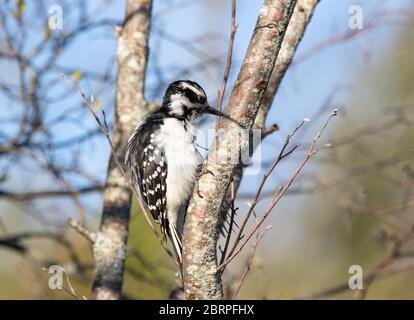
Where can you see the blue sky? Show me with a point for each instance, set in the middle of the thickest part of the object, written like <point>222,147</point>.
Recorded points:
<point>304,88</point>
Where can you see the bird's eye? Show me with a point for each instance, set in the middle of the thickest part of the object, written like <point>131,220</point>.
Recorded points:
<point>202,99</point>
<point>191,95</point>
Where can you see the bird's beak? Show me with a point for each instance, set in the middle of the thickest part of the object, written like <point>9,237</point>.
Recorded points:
<point>213,111</point>
<point>218,113</point>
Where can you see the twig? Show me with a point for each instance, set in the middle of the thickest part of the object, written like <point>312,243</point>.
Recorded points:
<point>202,278</point>
<point>387,260</point>
<point>26,196</point>
<point>229,60</point>
<point>269,130</point>
<point>249,261</point>
<point>400,265</point>
<point>232,217</point>
<point>75,199</point>
<point>376,20</point>
<point>256,200</point>
<point>71,289</point>
<point>311,152</point>
<point>220,107</point>
<point>87,234</point>
<point>104,129</point>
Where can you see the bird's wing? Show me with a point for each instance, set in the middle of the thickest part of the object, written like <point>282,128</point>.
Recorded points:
<point>153,173</point>
<point>147,168</point>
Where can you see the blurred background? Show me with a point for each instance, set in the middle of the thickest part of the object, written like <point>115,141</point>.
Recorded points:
<point>352,205</point>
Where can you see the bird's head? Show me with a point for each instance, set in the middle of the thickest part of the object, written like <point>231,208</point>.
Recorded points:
<point>185,99</point>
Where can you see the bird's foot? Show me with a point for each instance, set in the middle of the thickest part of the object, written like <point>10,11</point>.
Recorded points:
<point>202,171</point>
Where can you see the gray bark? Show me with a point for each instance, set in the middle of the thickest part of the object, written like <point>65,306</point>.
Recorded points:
<point>111,241</point>
<point>202,280</point>
<point>300,19</point>
<point>297,25</point>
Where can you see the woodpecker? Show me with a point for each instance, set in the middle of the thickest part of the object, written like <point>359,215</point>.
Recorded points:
<point>161,157</point>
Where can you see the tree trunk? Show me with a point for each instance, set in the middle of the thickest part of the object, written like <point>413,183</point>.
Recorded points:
<point>300,19</point>
<point>111,243</point>
<point>297,25</point>
<point>202,280</point>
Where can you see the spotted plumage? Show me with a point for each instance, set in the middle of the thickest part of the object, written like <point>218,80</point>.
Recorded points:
<point>148,170</point>
<point>161,157</point>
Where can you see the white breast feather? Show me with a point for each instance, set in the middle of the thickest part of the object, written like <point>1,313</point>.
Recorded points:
<point>181,158</point>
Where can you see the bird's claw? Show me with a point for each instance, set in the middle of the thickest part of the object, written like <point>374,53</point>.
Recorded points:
<point>202,171</point>
<point>198,192</point>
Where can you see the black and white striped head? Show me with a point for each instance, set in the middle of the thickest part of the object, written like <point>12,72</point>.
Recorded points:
<point>185,99</point>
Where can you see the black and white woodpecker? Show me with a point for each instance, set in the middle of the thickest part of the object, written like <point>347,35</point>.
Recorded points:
<point>162,159</point>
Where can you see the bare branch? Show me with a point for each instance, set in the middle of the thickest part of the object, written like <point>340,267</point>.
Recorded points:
<point>201,277</point>
<point>278,196</point>
<point>87,234</point>
<point>259,238</point>
<point>25,196</point>
<point>110,246</point>
<point>256,199</point>
<point>400,265</point>
<point>229,59</point>
<point>387,260</point>
<point>297,25</point>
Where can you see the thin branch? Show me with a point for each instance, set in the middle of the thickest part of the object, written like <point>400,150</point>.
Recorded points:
<point>25,196</point>
<point>399,265</point>
<point>202,279</point>
<point>231,223</point>
<point>259,238</point>
<point>71,291</point>
<point>256,200</point>
<point>229,59</point>
<point>104,129</point>
<point>311,152</point>
<point>87,234</point>
<point>387,260</point>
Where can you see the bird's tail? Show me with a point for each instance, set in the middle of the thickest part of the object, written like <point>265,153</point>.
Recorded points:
<point>176,241</point>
